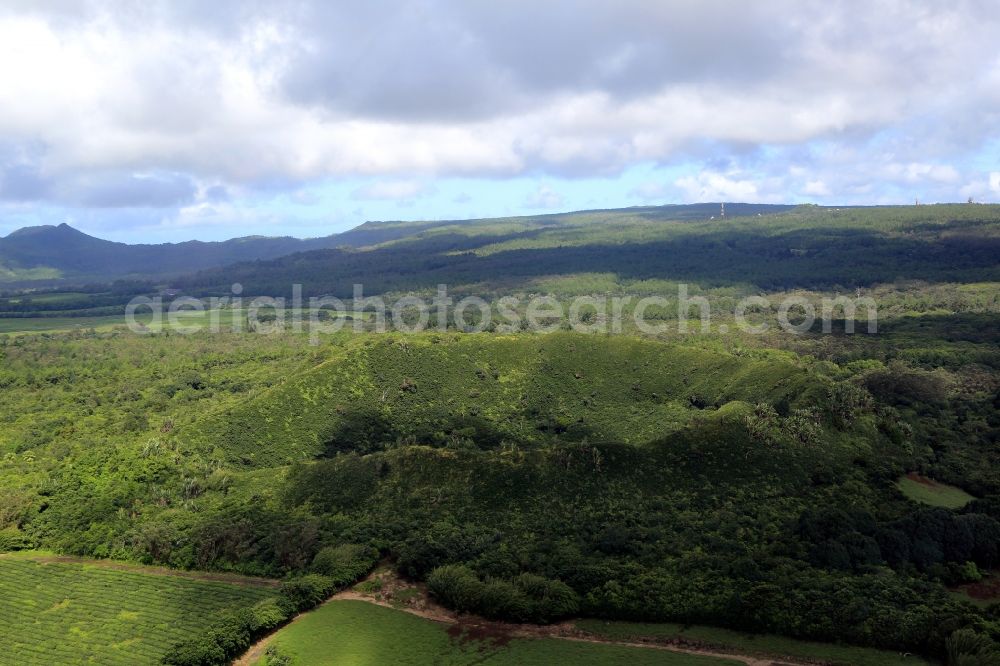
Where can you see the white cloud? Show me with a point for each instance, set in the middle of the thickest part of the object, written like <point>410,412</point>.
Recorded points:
<point>711,186</point>
<point>242,94</point>
<point>817,188</point>
<point>390,190</point>
<point>543,197</point>
<point>649,191</point>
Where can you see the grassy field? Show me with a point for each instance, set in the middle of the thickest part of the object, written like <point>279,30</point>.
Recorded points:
<point>72,613</point>
<point>926,491</point>
<point>224,319</point>
<point>755,644</point>
<point>46,324</point>
<point>356,633</point>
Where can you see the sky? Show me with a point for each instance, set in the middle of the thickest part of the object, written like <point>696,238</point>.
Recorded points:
<point>146,121</point>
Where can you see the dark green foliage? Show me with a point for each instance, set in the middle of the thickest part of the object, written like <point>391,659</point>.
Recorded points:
<point>13,539</point>
<point>432,390</point>
<point>440,544</point>
<point>707,480</point>
<point>525,598</point>
<point>344,564</point>
<point>968,648</point>
<point>233,633</point>
<point>806,247</point>
<point>49,254</point>
<point>305,592</point>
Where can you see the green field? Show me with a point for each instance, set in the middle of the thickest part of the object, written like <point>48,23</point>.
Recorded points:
<point>927,491</point>
<point>744,643</point>
<point>45,324</point>
<point>70,613</point>
<point>356,633</point>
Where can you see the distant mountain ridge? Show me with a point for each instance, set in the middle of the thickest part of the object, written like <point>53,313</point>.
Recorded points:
<point>48,253</point>
<point>60,254</point>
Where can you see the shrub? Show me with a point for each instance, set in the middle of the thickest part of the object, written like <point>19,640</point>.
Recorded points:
<point>440,544</point>
<point>234,632</point>
<point>526,598</point>
<point>550,599</point>
<point>299,594</point>
<point>456,586</point>
<point>268,614</point>
<point>225,639</point>
<point>965,647</point>
<point>13,539</point>
<point>844,401</point>
<point>275,657</point>
<point>344,564</point>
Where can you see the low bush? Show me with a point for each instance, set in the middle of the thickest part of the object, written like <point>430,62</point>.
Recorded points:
<point>233,633</point>
<point>13,539</point>
<point>303,592</point>
<point>344,564</point>
<point>525,598</point>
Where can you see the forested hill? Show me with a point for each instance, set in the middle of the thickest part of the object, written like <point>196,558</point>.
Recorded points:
<point>62,253</point>
<point>768,247</point>
<point>36,256</point>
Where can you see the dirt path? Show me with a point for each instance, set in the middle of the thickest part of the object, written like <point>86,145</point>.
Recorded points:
<point>217,577</point>
<point>468,625</point>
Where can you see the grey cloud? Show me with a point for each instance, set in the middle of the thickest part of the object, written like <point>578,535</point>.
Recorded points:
<point>243,92</point>
<point>22,182</point>
<point>217,193</point>
<point>122,190</point>
<point>468,61</point>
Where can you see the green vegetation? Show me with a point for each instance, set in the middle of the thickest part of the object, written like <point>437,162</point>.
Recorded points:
<point>808,247</point>
<point>355,632</point>
<point>52,255</point>
<point>53,324</point>
<point>69,613</point>
<point>230,634</point>
<point>738,481</point>
<point>642,480</point>
<point>753,644</point>
<point>924,490</point>
<point>482,391</point>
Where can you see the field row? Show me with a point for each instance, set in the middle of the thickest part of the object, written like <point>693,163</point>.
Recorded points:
<point>68,613</point>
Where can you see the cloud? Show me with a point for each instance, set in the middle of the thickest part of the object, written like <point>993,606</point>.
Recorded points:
<point>817,188</point>
<point>543,197</point>
<point>118,190</point>
<point>397,190</point>
<point>712,186</point>
<point>217,193</point>
<point>113,103</point>
<point>648,191</point>
<point>22,182</point>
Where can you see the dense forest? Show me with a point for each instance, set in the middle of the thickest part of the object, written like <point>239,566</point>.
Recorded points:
<point>808,247</point>
<point>755,482</point>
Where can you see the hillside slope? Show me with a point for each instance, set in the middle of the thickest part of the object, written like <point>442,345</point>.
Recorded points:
<point>48,253</point>
<point>807,247</point>
<point>483,390</point>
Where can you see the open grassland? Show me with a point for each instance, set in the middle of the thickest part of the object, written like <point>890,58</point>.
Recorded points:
<point>74,613</point>
<point>51,324</point>
<point>745,643</point>
<point>356,633</point>
<point>927,491</point>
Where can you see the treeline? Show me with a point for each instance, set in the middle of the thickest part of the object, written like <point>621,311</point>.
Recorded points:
<point>333,568</point>
<point>821,250</point>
